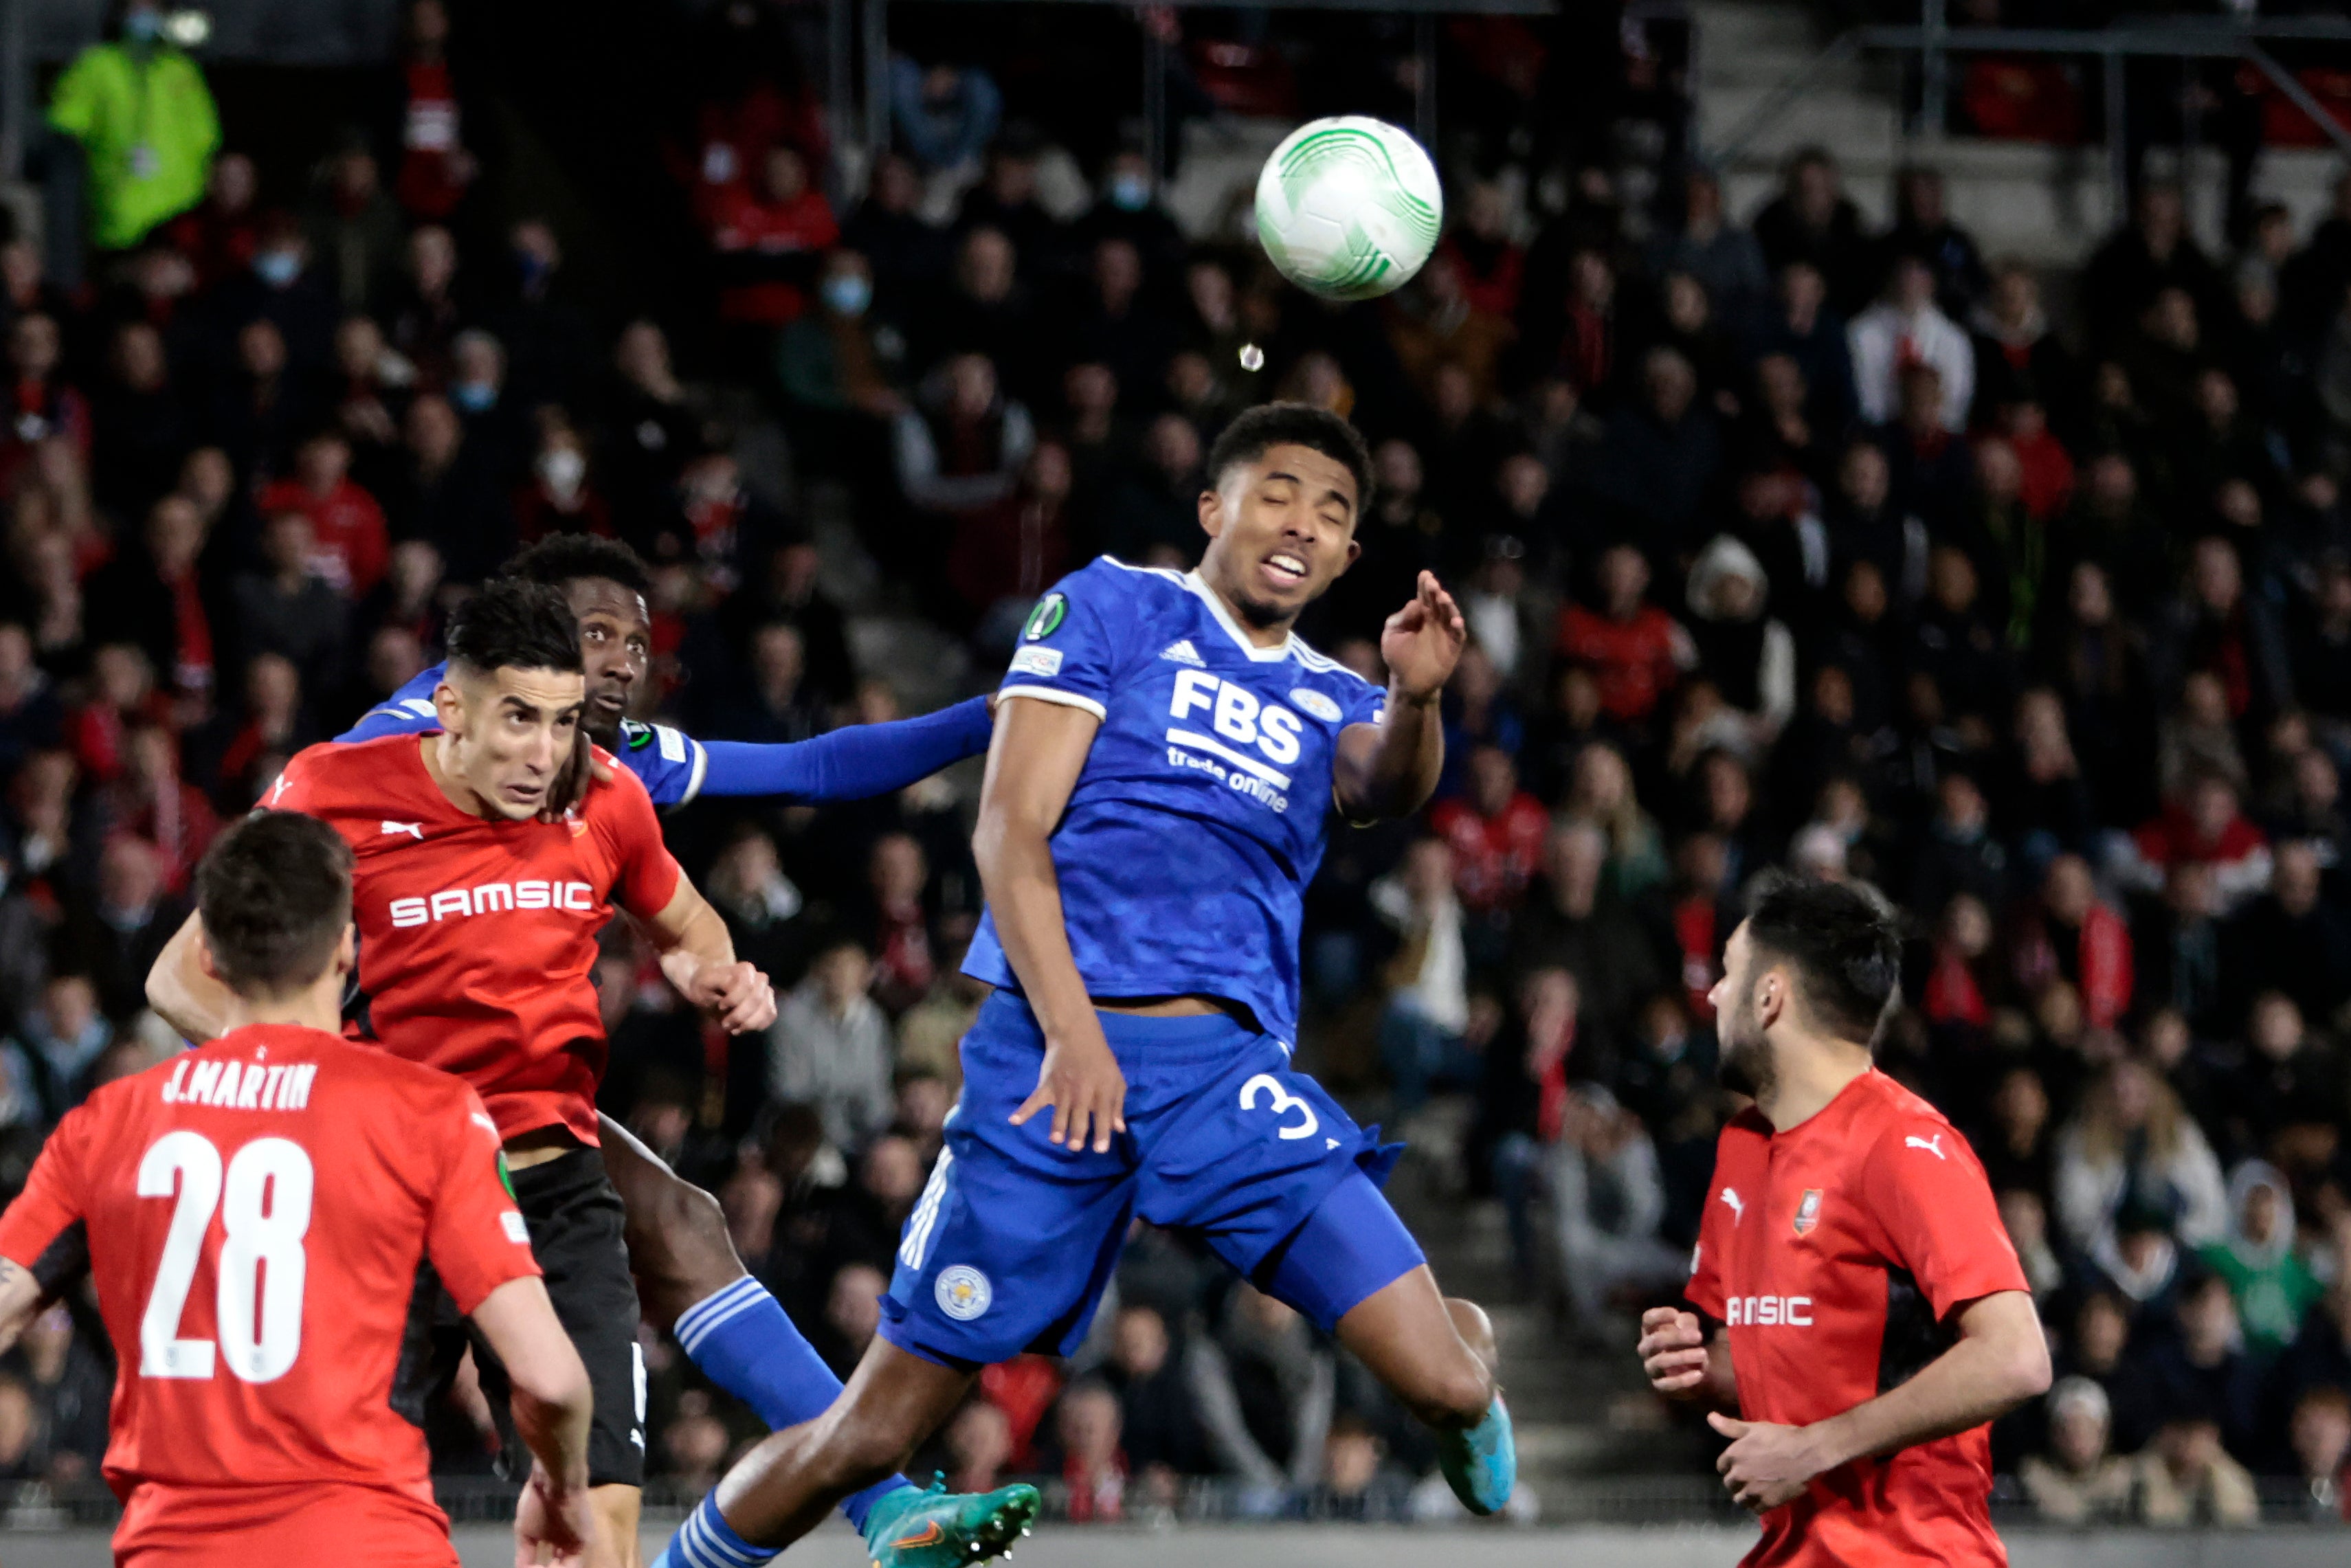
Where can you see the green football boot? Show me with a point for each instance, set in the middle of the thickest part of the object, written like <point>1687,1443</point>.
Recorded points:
<point>940,1529</point>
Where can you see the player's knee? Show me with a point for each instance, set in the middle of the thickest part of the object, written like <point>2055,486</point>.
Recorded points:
<point>1476,1329</point>
<point>679,1247</point>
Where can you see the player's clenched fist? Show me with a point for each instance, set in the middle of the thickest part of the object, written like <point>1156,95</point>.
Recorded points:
<point>1766,1465</point>
<point>1673,1351</point>
<point>736,994</point>
<point>555,1524</point>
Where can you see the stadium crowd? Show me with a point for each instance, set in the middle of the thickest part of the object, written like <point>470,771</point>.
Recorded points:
<point>1782,542</point>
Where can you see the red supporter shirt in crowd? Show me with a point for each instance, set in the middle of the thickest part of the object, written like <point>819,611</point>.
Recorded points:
<point>477,936</point>
<point>257,1211</point>
<point>350,546</point>
<point>1837,1253</point>
<point>1635,663</point>
<point>1493,857</point>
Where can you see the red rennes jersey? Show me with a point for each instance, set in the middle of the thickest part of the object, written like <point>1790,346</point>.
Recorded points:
<point>257,1211</point>
<point>477,936</point>
<point>1837,1253</point>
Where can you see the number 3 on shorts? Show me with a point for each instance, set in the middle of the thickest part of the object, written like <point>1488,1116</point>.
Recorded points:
<point>1284,1103</point>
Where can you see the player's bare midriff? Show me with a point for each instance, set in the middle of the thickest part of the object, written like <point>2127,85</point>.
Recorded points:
<point>538,1145</point>
<point>1192,1006</point>
<point>1189,1006</point>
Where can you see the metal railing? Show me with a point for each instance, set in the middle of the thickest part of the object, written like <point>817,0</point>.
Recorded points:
<point>1933,41</point>
<point>857,31</point>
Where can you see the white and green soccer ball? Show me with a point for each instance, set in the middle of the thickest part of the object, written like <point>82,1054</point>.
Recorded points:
<point>1348,207</point>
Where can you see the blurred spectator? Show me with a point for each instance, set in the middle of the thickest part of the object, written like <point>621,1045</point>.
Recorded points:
<point>2320,1431</point>
<point>2132,1144</point>
<point>1264,1386</point>
<point>1750,657</point>
<point>1635,650</point>
<point>1608,1200</point>
<point>354,229</point>
<point>2291,940</point>
<point>1923,228</point>
<point>2186,1477</point>
<point>1159,1428</point>
<point>2079,1481</point>
<point>766,238</point>
<point>144,119</point>
<point>980,1444</point>
<point>1427,1017</point>
<point>943,114</point>
<point>1811,221</point>
<point>292,610</point>
<point>2273,1288</point>
<point>1087,1425</point>
<point>2019,357</point>
<point>1904,329</point>
<point>51,1063</point>
<point>962,446</point>
<point>830,1047</point>
<point>1724,258</point>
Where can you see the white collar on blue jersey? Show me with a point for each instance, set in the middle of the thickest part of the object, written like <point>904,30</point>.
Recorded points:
<point>1275,654</point>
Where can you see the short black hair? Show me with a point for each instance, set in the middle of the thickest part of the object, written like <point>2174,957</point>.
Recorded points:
<point>512,624</point>
<point>561,559</point>
<point>1844,942</point>
<point>275,893</point>
<point>1269,424</point>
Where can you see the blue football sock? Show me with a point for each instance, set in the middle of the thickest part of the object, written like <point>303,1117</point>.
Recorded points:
<point>705,1541</point>
<point>743,1341</point>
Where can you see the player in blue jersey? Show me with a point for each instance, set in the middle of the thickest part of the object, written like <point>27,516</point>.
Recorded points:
<point>606,584</point>
<point>688,1275</point>
<point>1165,763</point>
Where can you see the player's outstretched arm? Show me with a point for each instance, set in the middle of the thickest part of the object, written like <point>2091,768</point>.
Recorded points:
<point>2000,1361</point>
<point>552,1406</point>
<point>179,991</point>
<point>855,763</point>
<point>698,956</point>
<point>1390,768</point>
<point>1033,765</point>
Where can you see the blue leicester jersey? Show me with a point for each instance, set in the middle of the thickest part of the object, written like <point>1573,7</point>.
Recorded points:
<point>1201,812</point>
<point>670,762</point>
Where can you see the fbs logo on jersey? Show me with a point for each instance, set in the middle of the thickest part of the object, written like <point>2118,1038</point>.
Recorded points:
<point>964,1293</point>
<point>1808,1210</point>
<point>1046,618</point>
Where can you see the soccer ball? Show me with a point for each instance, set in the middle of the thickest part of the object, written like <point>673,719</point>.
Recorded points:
<point>1348,208</point>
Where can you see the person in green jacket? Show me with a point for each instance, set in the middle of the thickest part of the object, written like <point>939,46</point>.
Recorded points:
<point>2272,1285</point>
<point>140,109</point>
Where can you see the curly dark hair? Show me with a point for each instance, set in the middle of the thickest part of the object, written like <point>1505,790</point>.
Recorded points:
<point>1269,424</point>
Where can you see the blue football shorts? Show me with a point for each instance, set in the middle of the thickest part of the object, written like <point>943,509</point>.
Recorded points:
<point>1014,1239</point>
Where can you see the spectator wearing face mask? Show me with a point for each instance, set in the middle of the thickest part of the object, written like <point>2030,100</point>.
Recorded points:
<point>561,498</point>
<point>840,368</point>
<point>1126,207</point>
<point>145,122</point>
